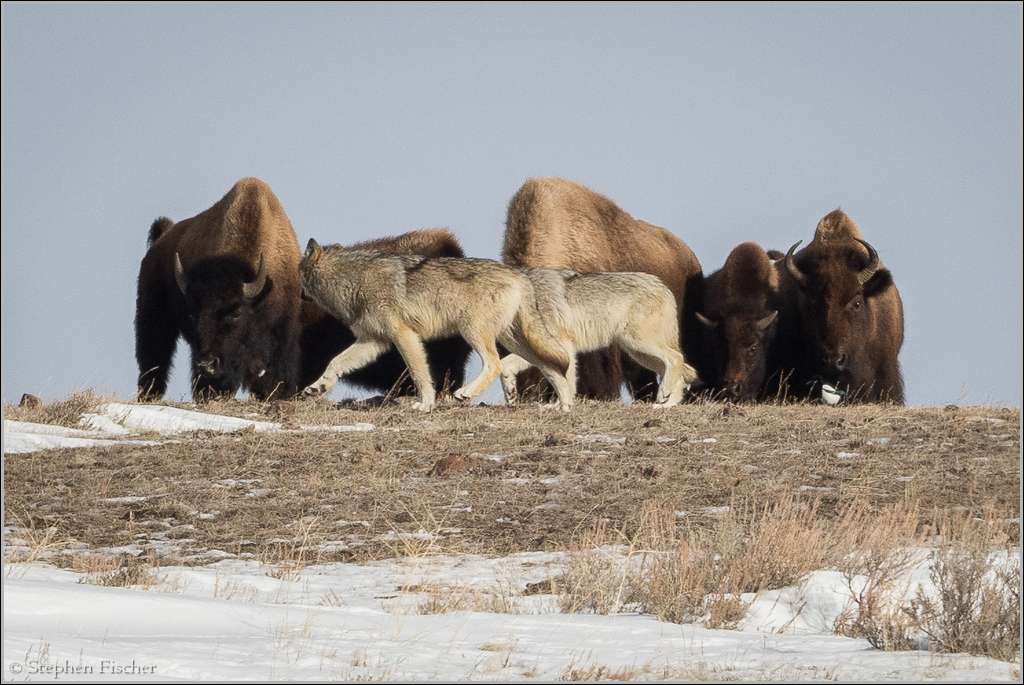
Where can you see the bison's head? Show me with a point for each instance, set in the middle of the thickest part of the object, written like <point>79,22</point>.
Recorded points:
<point>223,297</point>
<point>740,341</point>
<point>838,286</point>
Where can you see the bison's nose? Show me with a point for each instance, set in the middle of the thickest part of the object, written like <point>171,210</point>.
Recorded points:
<point>737,392</point>
<point>735,389</point>
<point>835,361</point>
<point>209,365</point>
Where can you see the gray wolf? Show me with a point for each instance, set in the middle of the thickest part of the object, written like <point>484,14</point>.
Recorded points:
<point>404,300</point>
<point>582,312</point>
<point>559,224</point>
<point>324,336</point>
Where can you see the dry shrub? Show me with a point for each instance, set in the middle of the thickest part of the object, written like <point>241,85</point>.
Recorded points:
<point>597,574</point>
<point>977,604</point>
<point>27,543</point>
<point>674,584</point>
<point>785,541</point>
<point>746,551</point>
<point>885,547</point>
<point>67,412</point>
<point>287,558</point>
<point>117,571</point>
<point>577,673</point>
<point>443,598</point>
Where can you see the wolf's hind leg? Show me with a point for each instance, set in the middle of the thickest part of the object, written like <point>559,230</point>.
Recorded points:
<point>355,356</point>
<point>562,386</point>
<point>670,365</point>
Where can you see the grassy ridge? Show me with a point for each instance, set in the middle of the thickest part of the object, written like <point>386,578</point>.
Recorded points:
<point>707,501</point>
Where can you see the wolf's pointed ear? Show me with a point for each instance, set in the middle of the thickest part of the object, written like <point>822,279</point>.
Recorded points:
<point>313,249</point>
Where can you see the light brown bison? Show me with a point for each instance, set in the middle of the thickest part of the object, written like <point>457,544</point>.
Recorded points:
<point>324,336</point>
<point>559,224</point>
<point>740,317</point>
<point>227,281</point>
<point>841,317</point>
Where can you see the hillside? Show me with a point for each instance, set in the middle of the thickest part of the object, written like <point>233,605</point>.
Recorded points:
<point>497,480</point>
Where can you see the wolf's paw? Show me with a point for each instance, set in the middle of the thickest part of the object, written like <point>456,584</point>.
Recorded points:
<point>314,390</point>
<point>463,395</point>
<point>425,407</point>
<point>556,405</point>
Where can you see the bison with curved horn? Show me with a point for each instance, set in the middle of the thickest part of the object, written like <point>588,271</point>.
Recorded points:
<point>227,281</point>
<point>559,224</point>
<point>842,317</point>
<point>324,336</point>
<point>741,321</point>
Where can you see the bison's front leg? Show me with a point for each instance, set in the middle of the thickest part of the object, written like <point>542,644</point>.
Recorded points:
<point>156,337</point>
<point>356,356</point>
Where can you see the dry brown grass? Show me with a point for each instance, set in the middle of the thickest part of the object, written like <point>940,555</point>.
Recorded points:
<point>532,479</point>
<point>710,503</point>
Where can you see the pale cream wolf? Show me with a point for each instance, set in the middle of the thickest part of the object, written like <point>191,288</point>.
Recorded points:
<point>405,300</point>
<point>582,312</point>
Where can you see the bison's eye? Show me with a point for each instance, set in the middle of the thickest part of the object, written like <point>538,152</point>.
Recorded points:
<point>855,305</point>
<point>233,314</point>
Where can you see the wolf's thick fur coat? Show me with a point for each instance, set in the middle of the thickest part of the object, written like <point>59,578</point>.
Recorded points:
<point>405,300</point>
<point>585,312</point>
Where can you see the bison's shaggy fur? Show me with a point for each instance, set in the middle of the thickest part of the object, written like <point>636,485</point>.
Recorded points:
<point>227,281</point>
<point>558,224</point>
<point>324,336</point>
<point>841,319</point>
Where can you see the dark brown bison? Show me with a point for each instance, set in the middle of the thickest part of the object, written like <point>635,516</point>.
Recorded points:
<point>560,224</point>
<point>324,337</point>
<point>227,281</point>
<point>740,319</point>
<point>842,317</point>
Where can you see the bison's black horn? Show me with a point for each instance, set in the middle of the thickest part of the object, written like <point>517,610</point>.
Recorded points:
<point>791,266</point>
<point>179,274</point>
<point>253,288</point>
<point>868,271</point>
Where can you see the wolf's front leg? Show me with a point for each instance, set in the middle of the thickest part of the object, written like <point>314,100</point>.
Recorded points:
<point>488,351</point>
<point>355,356</point>
<point>410,346</point>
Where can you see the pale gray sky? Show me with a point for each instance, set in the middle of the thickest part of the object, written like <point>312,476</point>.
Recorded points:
<point>721,122</point>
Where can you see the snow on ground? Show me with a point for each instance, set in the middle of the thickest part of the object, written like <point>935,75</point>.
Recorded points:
<point>233,621</point>
<point>112,422</point>
<point>243,620</point>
